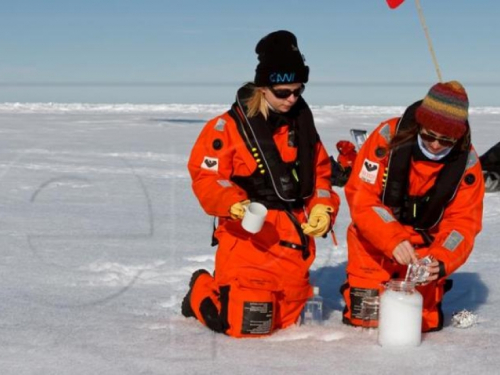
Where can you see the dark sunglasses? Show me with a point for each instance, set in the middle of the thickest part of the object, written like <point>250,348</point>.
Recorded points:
<point>445,142</point>
<point>285,93</point>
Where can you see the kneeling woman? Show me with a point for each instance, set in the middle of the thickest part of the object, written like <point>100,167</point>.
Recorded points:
<point>264,149</point>
<point>416,190</point>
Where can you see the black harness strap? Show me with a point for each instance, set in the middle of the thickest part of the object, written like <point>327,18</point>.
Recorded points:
<point>278,185</point>
<point>303,238</point>
<point>421,212</point>
<point>290,181</point>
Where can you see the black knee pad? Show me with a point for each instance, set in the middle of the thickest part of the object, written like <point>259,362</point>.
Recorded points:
<point>211,316</point>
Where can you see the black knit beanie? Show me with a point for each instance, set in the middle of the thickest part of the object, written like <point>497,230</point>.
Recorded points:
<point>280,60</point>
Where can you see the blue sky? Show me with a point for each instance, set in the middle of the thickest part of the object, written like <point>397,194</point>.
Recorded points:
<point>149,42</point>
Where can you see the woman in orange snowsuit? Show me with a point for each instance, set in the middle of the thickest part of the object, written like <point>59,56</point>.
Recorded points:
<point>264,149</point>
<point>416,190</point>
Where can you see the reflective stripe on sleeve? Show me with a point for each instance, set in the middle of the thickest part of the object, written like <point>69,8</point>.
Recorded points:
<point>453,240</point>
<point>225,183</point>
<point>322,193</point>
<point>384,214</point>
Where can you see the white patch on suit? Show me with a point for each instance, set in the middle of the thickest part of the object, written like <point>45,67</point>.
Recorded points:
<point>212,164</point>
<point>369,172</point>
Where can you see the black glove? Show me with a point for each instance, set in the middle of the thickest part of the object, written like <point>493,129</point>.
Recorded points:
<point>340,175</point>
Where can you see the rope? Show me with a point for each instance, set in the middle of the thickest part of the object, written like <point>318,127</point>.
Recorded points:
<point>429,42</point>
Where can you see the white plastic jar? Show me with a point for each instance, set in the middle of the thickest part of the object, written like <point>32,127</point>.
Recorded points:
<point>400,317</point>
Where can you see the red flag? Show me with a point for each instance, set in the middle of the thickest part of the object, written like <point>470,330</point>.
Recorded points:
<point>393,4</point>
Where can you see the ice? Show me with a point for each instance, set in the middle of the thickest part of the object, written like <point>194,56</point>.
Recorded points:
<point>100,233</point>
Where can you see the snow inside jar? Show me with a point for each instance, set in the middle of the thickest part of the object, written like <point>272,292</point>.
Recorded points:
<point>400,316</point>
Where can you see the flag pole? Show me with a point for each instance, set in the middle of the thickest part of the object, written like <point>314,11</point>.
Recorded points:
<point>429,42</point>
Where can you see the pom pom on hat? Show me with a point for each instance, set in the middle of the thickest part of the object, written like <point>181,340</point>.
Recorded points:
<point>445,110</point>
<point>280,60</point>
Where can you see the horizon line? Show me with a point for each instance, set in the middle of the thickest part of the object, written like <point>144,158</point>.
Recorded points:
<point>222,84</point>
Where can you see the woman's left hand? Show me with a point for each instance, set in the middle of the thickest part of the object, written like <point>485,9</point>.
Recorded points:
<point>433,269</point>
<point>319,221</point>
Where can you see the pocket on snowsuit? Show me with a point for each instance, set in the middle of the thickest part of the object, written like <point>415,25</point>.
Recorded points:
<point>249,305</point>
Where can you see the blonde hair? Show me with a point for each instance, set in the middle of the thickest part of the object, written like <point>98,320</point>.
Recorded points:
<point>256,103</point>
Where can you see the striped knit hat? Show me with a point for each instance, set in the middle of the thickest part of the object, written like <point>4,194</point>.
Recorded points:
<point>445,109</point>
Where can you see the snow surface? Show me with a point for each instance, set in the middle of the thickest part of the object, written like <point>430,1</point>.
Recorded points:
<point>100,233</point>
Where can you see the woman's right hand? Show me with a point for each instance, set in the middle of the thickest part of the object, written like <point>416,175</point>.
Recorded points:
<point>237,210</point>
<point>404,253</point>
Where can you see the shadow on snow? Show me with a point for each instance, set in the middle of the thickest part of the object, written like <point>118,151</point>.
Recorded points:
<point>469,292</point>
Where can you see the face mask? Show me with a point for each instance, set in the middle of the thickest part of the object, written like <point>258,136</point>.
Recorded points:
<point>441,154</point>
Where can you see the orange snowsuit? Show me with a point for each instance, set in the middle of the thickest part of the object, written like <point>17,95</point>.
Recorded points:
<point>347,154</point>
<point>375,232</point>
<point>261,281</point>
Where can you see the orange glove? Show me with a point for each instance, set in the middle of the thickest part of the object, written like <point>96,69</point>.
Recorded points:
<point>237,210</point>
<point>319,221</point>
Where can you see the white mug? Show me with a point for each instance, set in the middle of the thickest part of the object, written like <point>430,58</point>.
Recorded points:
<point>255,215</point>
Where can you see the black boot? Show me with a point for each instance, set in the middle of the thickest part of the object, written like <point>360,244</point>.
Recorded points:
<point>186,309</point>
